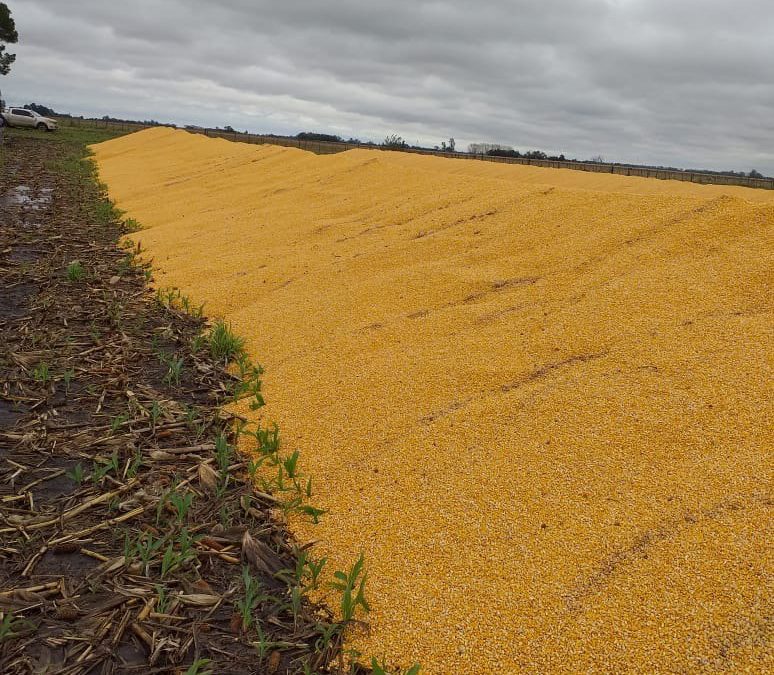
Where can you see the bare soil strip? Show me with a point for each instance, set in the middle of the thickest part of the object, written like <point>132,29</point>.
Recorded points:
<point>131,539</point>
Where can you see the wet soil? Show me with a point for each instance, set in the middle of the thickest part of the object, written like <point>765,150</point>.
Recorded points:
<point>94,440</point>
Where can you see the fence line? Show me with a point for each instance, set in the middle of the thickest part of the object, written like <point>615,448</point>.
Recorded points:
<point>331,147</point>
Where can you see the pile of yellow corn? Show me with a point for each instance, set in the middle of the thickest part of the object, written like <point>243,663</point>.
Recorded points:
<point>539,401</point>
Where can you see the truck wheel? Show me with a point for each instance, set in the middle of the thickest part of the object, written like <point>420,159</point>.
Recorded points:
<point>41,127</point>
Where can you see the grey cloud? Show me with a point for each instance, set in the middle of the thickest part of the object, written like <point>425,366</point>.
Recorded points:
<point>685,83</point>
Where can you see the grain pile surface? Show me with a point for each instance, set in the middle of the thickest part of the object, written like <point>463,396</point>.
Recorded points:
<point>539,401</point>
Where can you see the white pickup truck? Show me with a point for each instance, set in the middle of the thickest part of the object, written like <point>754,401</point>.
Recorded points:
<point>21,117</point>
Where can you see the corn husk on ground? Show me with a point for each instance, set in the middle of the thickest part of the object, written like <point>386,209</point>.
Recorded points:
<point>539,401</point>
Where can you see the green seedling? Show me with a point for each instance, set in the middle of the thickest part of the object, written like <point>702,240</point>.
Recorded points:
<point>296,599</point>
<point>42,373</point>
<point>104,467</point>
<point>175,559</point>
<point>249,383</point>
<point>76,474</point>
<point>351,585</point>
<point>133,466</point>
<point>117,421</point>
<point>198,342</point>
<point>75,271</point>
<point>314,513</point>
<point>175,367</point>
<point>181,504</point>
<point>196,667</point>
<point>146,548</point>
<point>156,411</point>
<point>163,602</point>
<point>290,465</point>
<point>267,441</point>
<point>380,669</point>
<point>313,572</point>
<point>223,452</point>
<point>327,632</point>
<point>222,486</point>
<point>225,345</point>
<point>131,225</point>
<point>252,597</point>
<point>67,378</point>
<point>11,626</point>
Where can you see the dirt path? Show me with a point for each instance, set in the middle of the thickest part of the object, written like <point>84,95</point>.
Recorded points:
<point>131,539</point>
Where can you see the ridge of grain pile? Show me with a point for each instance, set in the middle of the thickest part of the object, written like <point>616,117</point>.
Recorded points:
<point>538,400</point>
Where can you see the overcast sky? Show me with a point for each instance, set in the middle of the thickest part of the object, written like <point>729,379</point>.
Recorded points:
<point>681,82</point>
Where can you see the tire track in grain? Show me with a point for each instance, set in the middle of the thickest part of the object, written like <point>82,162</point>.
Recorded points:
<point>620,561</point>
<point>534,375</point>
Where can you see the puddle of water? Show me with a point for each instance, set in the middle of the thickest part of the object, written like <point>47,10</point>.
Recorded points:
<point>74,565</point>
<point>22,195</point>
<point>24,254</point>
<point>13,301</point>
<point>9,413</point>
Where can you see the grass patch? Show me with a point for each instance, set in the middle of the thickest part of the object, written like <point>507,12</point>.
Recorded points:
<point>225,345</point>
<point>75,271</point>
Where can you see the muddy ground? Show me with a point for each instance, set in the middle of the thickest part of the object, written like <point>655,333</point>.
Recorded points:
<point>131,539</point>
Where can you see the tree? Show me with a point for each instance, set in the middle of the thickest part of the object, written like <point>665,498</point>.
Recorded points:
<point>314,136</point>
<point>755,174</point>
<point>394,141</point>
<point>8,35</point>
<point>41,109</point>
<point>486,148</point>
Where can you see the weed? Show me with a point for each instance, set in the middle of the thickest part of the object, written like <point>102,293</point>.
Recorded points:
<point>195,667</point>
<point>252,597</point>
<point>327,632</point>
<point>10,626</point>
<point>117,421</point>
<point>163,602</point>
<point>380,669</point>
<point>156,411</point>
<point>311,511</point>
<point>175,559</point>
<point>296,598</point>
<point>198,342</point>
<point>104,467</point>
<point>131,225</point>
<point>145,548</point>
<point>76,474</point>
<point>249,383</point>
<point>181,504</point>
<point>223,452</point>
<point>42,373</point>
<point>351,585</point>
<point>225,345</point>
<point>115,312</point>
<point>67,378</point>
<point>75,271</point>
<point>95,333</point>
<point>174,368</point>
<point>133,466</point>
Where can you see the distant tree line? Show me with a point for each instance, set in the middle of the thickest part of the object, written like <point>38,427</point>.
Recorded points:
<point>498,150</point>
<point>42,110</point>
<point>396,142</point>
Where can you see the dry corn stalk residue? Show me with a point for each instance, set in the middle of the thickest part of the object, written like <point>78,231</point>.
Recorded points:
<point>538,400</point>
